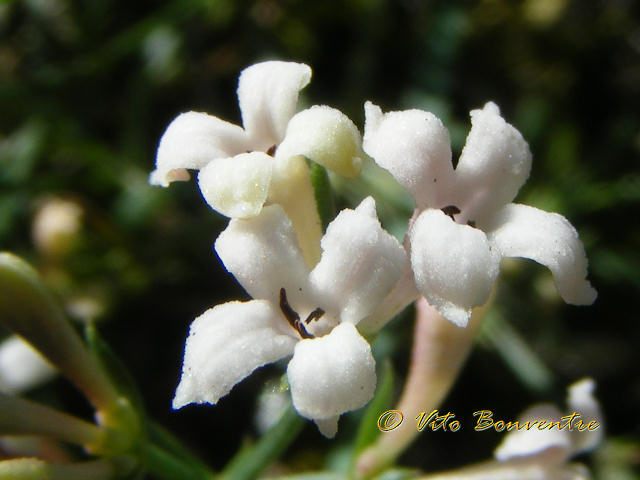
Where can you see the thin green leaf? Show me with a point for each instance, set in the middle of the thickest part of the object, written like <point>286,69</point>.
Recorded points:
<point>165,439</point>
<point>516,353</point>
<point>250,461</point>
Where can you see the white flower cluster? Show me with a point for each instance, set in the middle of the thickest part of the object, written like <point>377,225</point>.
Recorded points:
<point>311,290</point>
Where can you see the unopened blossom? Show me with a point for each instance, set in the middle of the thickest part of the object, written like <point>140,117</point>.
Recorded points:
<point>242,168</point>
<point>21,366</point>
<point>310,314</point>
<point>465,221</point>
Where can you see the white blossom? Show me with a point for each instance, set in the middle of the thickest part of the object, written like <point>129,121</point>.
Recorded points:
<point>21,366</point>
<point>528,452</point>
<point>310,314</point>
<point>242,168</point>
<point>466,223</point>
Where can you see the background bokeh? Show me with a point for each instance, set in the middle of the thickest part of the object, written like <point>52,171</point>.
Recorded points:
<point>87,88</point>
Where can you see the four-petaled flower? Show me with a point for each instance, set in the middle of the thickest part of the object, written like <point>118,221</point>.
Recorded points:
<point>241,169</point>
<point>310,314</point>
<point>466,223</point>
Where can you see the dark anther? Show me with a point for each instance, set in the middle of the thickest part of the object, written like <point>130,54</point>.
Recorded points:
<point>271,150</point>
<point>315,315</point>
<point>471,223</point>
<point>450,210</point>
<point>292,317</point>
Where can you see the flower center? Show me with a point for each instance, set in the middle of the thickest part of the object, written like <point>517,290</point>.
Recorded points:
<point>294,319</point>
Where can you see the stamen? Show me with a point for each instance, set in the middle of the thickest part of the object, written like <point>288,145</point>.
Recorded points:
<point>471,223</point>
<point>450,210</point>
<point>271,150</point>
<point>291,315</point>
<point>315,315</point>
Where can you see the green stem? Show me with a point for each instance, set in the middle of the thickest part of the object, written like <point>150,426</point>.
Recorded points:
<point>161,464</point>
<point>166,440</point>
<point>249,462</point>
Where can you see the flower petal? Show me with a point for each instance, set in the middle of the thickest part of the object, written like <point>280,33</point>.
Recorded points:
<point>237,187</point>
<point>328,427</point>
<point>494,164</point>
<point>549,239</point>
<point>268,93</point>
<point>333,374</point>
<point>582,401</point>
<point>552,443</point>
<point>454,265</point>
<point>414,146</point>
<point>192,140</point>
<point>326,136</point>
<point>225,344</point>
<point>263,254</point>
<point>360,263</point>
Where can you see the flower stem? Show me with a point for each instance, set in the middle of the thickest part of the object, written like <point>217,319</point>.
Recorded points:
<point>34,469</point>
<point>28,309</point>
<point>24,417</point>
<point>439,351</point>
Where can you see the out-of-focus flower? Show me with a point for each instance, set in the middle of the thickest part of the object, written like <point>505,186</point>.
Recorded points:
<point>310,314</point>
<point>466,223</point>
<point>21,366</point>
<point>534,452</point>
<point>554,445</point>
<point>241,169</point>
<point>56,226</point>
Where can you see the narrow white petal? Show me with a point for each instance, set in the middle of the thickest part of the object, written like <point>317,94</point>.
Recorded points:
<point>263,254</point>
<point>192,140</point>
<point>549,239</point>
<point>328,427</point>
<point>360,263</point>
<point>225,344</point>
<point>454,265</point>
<point>238,186</point>
<point>333,374</point>
<point>554,445</point>
<point>21,366</point>
<point>268,93</point>
<point>326,136</point>
<point>494,164</point>
<point>414,146</point>
<point>582,401</point>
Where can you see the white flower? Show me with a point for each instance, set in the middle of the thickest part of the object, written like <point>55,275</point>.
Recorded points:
<point>466,223</point>
<point>310,314</point>
<point>21,366</point>
<point>553,447</point>
<point>241,169</point>
<point>530,453</point>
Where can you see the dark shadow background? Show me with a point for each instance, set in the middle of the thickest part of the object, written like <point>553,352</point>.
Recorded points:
<point>88,87</point>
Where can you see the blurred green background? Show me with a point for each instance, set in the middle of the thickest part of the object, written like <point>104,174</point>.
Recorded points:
<point>87,88</point>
